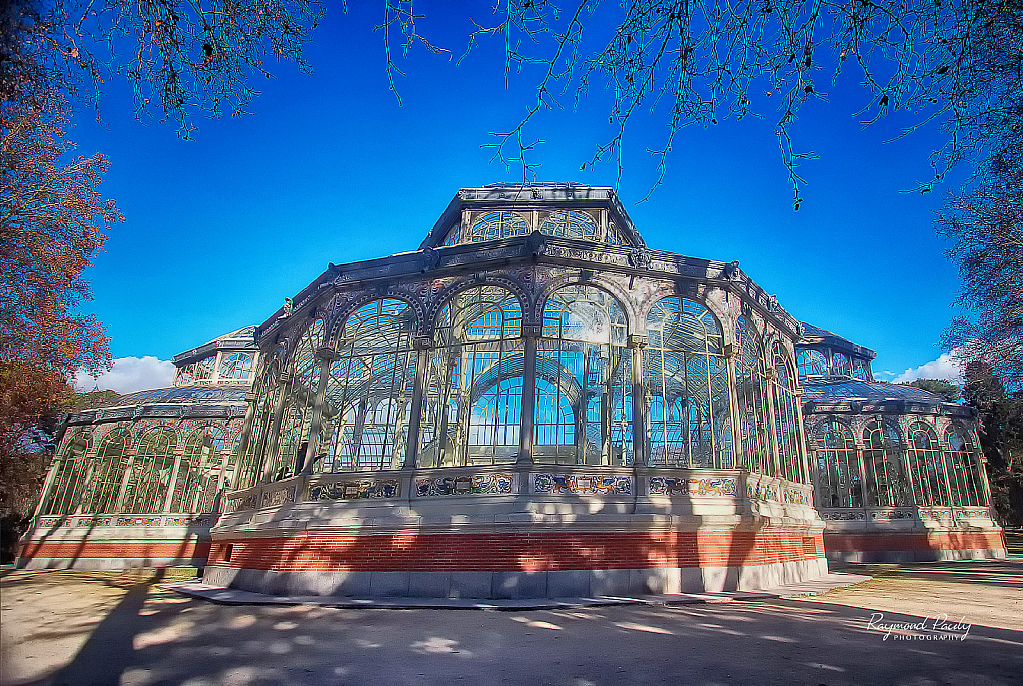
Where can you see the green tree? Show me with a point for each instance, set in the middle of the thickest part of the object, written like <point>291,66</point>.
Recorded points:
<point>1001,439</point>
<point>946,389</point>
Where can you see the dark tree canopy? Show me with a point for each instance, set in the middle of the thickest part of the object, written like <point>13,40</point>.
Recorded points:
<point>946,389</point>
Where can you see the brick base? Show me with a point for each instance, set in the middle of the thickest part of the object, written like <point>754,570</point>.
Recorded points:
<point>922,546</point>
<point>530,552</point>
<point>516,565</point>
<point>109,553</point>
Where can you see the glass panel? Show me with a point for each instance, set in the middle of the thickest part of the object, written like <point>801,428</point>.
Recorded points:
<point>840,365</point>
<point>838,472</point>
<point>150,472</point>
<point>571,224</point>
<point>964,470</point>
<point>107,473</point>
<point>369,391</point>
<point>70,476</point>
<point>495,225</point>
<point>198,477</point>
<point>267,399</point>
<point>786,419</point>
<point>473,391</point>
<point>583,381</point>
<point>751,393</point>
<point>297,408</point>
<point>686,381</point>
<point>235,366</point>
<point>811,363</point>
<point>925,466</point>
<point>887,485</point>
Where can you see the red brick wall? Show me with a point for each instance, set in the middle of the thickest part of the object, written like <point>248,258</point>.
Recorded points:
<point>936,540</point>
<point>185,549</point>
<point>517,552</point>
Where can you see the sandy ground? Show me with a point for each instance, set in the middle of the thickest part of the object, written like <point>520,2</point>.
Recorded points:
<point>79,630</point>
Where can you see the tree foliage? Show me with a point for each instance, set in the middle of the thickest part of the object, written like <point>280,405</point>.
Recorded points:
<point>946,389</point>
<point>1001,438</point>
<point>985,226</point>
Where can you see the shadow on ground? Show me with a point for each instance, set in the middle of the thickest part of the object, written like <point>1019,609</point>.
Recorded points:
<point>153,636</point>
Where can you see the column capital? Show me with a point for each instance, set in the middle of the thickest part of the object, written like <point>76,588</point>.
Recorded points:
<point>638,340</point>
<point>532,330</point>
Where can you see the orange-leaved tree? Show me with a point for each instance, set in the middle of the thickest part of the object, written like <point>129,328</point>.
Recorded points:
<point>52,223</point>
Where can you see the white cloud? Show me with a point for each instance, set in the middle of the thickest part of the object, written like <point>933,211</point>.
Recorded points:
<point>130,374</point>
<point>945,367</point>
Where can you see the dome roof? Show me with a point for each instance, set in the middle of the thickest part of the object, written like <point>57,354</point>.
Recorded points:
<point>181,394</point>
<point>854,389</point>
<point>243,334</point>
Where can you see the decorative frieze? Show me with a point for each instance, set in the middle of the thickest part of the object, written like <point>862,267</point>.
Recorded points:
<point>936,513</point>
<point>356,489</point>
<point>187,520</point>
<point>796,496</point>
<point>892,515</point>
<point>465,484</point>
<point>242,503</point>
<point>973,513</point>
<point>139,520</point>
<point>92,522</point>
<point>582,484</point>
<point>766,492</point>
<point>709,486</point>
<point>278,497</point>
<point>844,515</point>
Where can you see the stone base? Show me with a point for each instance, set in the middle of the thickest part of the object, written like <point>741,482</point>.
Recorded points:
<point>913,546</point>
<point>575,583</point>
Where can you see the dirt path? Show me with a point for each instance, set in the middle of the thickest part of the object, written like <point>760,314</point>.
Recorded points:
<point>61,628</point>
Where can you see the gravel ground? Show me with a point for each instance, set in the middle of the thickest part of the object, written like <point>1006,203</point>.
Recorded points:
<point>83,629</point>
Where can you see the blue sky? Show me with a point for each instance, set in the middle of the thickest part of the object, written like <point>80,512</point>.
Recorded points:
<point>330,168</point>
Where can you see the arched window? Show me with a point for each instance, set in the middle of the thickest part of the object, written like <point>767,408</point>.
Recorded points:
<point>964,471</point>
<point>861,369</point>
<point>297,410</point>
<point>268,396</point>
<point>70,476</point>
<point>925,466</point>
<point>811,363</point>
<point>686,379</point>
<point>495,225</point>
<point>583,377</point>
<point>198,477</point>
<point>235,366</point>
<point>571,224</point>
<point>838,472</point>
<point>473,391</point>
<point>886,479</point>
<point>196,372</point>
<point>751,393</point>
<point>365,415</point>
<point>107,473</point>
<point>840,365</point>
<point>786,418</point>
<point>150,472</point>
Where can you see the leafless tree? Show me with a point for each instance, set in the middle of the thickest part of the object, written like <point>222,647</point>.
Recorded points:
<point>183,57</point>
<point>704,61</point>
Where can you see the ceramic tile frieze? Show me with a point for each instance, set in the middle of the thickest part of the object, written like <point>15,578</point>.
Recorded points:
<point>465,484</point>
<point>356,489</point>
<point>582,484</point>
<point>712,486</point>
